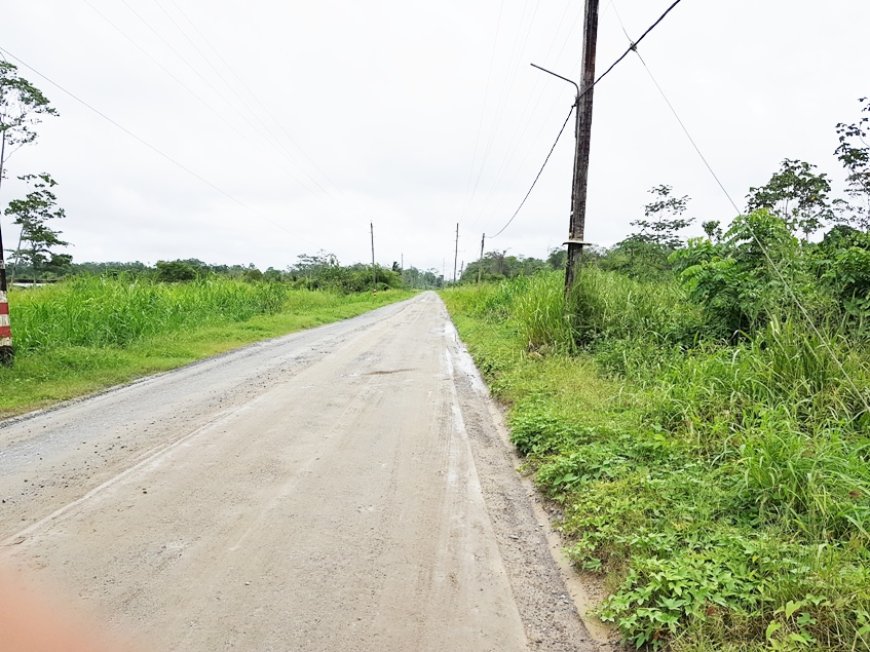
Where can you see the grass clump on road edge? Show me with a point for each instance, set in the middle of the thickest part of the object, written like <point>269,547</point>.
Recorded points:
<point>90,333</point>
<point>721,489</point>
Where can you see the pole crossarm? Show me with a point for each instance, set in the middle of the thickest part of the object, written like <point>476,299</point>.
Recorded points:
<point>550,72</point>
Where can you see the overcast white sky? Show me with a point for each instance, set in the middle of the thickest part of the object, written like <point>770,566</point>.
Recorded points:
<point>313,118</point>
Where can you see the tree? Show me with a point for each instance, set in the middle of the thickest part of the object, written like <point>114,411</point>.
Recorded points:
<point>176,271</point>
<point>644,254</point>
<point>21,105</point>
<point>557,258</point>
<point>319,270</point>
<point>273,275</point>
<point>59,265</point>
<point>713,229</point>
<point>32,214</point>
<point>734,278</point>
<point>663,218</point>
<point>420,279</point>
<point>252,273</point>
<point>854,153</point>
<point>842,262</point>
<point>797,194</point>
<point>497,265</point>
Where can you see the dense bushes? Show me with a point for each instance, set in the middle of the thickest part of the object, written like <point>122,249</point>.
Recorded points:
<point>713,462</point>
<point>318,272</point>
<point>702,413</point>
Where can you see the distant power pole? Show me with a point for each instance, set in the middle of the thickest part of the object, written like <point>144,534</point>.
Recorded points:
<point>374,273</point>
<point>480,263</point>
<point>456,253</point>
<point>583,135</point>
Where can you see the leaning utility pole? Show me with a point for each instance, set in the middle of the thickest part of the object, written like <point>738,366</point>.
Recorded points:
<point>583,134</point>
<point>374,273</point>
<point>480,263</point>
<point>456,253</point>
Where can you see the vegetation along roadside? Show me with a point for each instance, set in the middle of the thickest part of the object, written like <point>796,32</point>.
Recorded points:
<point>87,333</point>
<point>722,489</point>
<point>701,412</point>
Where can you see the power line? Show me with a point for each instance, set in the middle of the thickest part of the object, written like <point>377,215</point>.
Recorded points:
<point>242,109</point>
<point>782,278</point>
<point>631,48</point>
<point>668,102</point>
<point>576,23</point>
<point>768,258</point>
<point>494,123</point>
<point>165,69</point>
<point>250,92</point>
<point>612,4</point>
<point>193,44</point>
<point>175,51</point>
<point>533,101</point>
<point>147,144</point>
<point>537,176</point>
<point>240,97</point>
<point>689,135</point>
<point>500,110</point>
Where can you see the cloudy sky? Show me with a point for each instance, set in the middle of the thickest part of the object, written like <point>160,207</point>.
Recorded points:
<point>280,127</point>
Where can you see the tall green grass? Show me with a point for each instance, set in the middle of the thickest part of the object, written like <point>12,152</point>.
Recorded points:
<point>722,488</point>
<point>611,306</point>
<point>90,332</point>
<point>93,311</point>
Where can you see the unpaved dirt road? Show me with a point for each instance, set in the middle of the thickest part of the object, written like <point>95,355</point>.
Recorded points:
<point>344,488</point>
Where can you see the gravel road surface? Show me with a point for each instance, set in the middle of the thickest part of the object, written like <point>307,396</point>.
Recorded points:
<point>343,488</point>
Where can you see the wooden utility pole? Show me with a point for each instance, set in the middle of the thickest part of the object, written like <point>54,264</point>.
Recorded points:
<point>583,134</point>
<point>456,253</point>
<point>374,273</point>
<point>480,264</point>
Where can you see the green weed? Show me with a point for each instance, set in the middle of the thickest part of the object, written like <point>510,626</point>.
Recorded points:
<point>721,486</point>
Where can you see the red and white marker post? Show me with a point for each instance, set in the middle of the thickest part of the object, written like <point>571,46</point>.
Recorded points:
<point>5,331</point>
<point>7,353</point>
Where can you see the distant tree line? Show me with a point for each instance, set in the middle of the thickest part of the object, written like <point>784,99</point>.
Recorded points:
<point>497,265</point>
<point>318,271</point>
<point>35,257</point>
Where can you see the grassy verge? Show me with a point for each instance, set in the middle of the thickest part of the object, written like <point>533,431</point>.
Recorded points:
<point>722,490</point>
<point>79,337</point>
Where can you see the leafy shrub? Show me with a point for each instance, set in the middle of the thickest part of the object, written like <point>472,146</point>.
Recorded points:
<point>722,485</point>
